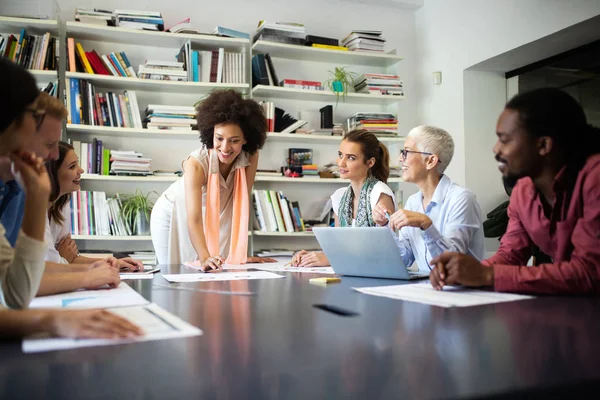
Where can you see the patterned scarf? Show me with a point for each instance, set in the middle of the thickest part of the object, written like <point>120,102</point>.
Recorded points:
<point>364,216</point>
<point>239,228</point>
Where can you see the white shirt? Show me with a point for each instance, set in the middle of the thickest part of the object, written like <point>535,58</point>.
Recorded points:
<point>456,226</point>
<point>378,189</point>
<point>54,233</point>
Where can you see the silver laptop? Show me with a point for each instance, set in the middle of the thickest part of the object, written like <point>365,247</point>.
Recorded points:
<point>366,252</point>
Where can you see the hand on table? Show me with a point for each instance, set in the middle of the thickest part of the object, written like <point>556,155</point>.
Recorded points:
<point>456,268</point>
<point>305,258</point>
<point>90,324</point>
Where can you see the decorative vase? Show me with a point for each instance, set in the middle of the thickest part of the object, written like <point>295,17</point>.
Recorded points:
<point>337,86</point>
<point>142,225</point>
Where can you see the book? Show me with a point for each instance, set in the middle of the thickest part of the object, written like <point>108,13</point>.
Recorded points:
<point>228,32</point>
<point>328,47</point>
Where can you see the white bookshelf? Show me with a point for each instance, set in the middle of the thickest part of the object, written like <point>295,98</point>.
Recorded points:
<point>298,137</point>
<point>132,238</point>
<point>278,92</point>
<point>284,234</point>
<point>310,179</point>
<point>32,25</point>
<point>140,45</point>
<point>314,54</point>
<point>119,82</point>
<point>128,132</point>
<point>119,178</point>
<point>120,35</point>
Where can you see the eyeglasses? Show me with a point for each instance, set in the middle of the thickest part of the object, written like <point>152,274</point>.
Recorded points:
<point>38,115</point>
<point>404,153</point>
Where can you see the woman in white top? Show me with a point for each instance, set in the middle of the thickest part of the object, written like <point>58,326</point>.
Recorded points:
<point>65,177</point>
<point>202,219</point>
<point>364,160</point>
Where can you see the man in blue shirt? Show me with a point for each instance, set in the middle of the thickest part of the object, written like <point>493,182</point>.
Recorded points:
<point>12,197</point>
<point>442,216</point>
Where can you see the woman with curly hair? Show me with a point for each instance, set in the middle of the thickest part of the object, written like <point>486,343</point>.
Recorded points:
<point>203,217</point>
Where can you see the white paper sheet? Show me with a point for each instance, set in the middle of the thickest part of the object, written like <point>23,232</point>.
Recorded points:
<point>135,275</point>
<point>451,296</point>
<point>157,324</point>
<point>282,265</point>
<point>120,296</point>
<point>221,276</point>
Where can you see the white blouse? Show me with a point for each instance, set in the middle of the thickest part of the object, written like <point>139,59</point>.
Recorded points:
<point>55,233</point>
<point>379,189</point>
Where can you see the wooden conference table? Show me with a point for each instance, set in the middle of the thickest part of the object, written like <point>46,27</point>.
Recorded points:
<point>276,345</point>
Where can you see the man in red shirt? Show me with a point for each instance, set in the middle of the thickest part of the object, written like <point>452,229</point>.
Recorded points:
<point>545,143</point>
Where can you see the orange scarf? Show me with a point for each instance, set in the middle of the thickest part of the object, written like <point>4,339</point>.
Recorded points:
<point>238,250</point>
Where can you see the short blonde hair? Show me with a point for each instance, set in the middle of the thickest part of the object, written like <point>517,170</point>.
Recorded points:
<point>52,105</point>
<point>431,139</point>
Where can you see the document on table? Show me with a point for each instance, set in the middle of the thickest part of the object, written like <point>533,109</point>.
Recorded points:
<point>221,276</point>
<point>135,275</point>
<point>282,265</point>
<point>122,295</point>
<point>156,323</point>
<point>451,296</point>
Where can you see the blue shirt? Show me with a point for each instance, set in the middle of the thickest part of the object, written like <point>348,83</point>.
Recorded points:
<point>12,208</point>
<point>457,226</point>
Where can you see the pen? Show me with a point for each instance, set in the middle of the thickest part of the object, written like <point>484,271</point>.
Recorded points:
<point>387,215</point>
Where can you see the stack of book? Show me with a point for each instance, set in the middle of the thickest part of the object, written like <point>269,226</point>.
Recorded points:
<point>282,32</point>
<point>301,84</point>
<point>276,213</point>
<point>87,107</point>
<point>147,20</point>
<point>95,16</point>
<point>367,41</point>
<point>381,124</point>
<point>115,64</point>
<point>321,42</point>
<point>129,163</point>
<point>163,71</point>
<point>170,118</point>
<point>379,84</point>
<point>228,32</point>
<point>93,157</point>
<point>38,52</point>
<point>338,130</point>
<point>310,170</point>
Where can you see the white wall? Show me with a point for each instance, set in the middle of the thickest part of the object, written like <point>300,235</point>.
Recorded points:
<point>453,35</point>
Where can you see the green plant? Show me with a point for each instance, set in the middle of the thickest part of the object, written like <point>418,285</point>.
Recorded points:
<point>346,79</point>
<point>134,205</point>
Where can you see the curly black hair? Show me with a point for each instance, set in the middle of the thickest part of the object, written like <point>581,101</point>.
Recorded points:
<point>229,107</point>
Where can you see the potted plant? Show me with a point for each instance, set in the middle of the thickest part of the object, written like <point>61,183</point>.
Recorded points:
<point>136,211</point>
<point>340,80</point>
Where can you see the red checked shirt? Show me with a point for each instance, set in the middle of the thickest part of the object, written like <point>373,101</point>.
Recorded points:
<point>570,234</point>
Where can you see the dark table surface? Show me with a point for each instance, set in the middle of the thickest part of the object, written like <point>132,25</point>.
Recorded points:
<point>275,344</point>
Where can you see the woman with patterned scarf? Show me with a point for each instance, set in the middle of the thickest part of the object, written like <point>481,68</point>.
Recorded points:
<point>364,160</point>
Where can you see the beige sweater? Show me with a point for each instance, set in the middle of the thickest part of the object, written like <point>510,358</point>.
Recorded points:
<point>21,270</point>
